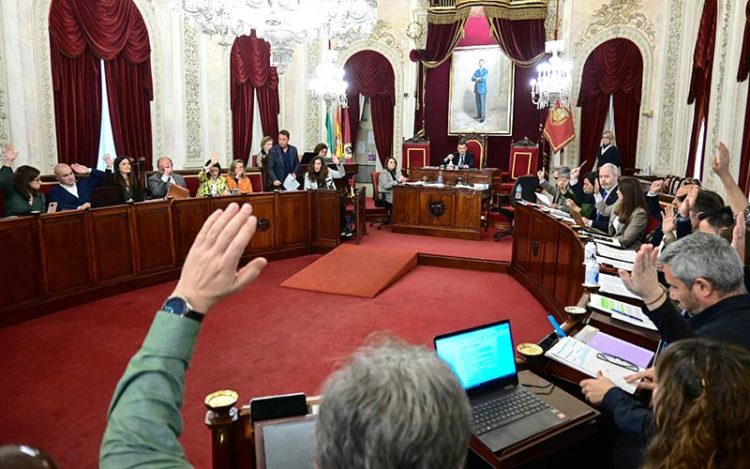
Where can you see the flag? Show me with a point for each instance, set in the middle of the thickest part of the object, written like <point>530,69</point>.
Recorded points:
<point>329,133</point>
<point>348,152</point>
<point>339,141</point>
<point>559,129</point>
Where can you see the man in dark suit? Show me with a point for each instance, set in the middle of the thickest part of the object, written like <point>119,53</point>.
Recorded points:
<point>608,152</point>
<point>72,195</point>
<point>461,157</point>
<point>282,161</point>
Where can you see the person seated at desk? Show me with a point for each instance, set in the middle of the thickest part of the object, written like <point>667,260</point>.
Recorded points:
<point>283,160</point>
<point>320,176</point>
<point>211,181</point>
<point>144,421</point>
<point>321,150</point>
<point>706,279</point>
<point>629,217</point>
<point>70,194</point>
<point>388,179</point>
<point>237,179</point>
<point>393,405</point>
<point>603,197</point>
<point>701,406</point>
<point>122,178</point>
<point>20,189</point>
<point>583,193</point>
<point>560,192</point>
<point>158,183</point>
<point>265,146</point>
<point>680,222</point>
<point>461,158</point>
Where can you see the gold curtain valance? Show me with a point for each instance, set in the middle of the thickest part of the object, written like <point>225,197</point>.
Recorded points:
<point>450,11</point>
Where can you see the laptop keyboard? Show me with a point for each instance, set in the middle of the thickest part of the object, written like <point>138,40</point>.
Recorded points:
<point>504,410</point>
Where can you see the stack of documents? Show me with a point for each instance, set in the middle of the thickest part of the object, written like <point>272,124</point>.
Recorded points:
<point>603,249</point>
<point>621,311</point>
<point>586,359</point>
<point>614,285</point>
<point>616,264</point>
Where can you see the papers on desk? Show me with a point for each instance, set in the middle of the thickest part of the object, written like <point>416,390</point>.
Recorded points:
<point>616,264</point>
<point>621,311</point>
<point>623,255</point>
<point>612,345</point>
<point>291,183</point>
<point>586,359</point>
<point>614,285</point>
<point>543,199</point>
<point>604,240</point>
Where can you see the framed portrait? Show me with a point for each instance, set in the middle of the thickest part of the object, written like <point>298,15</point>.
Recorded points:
<point>481,95</point>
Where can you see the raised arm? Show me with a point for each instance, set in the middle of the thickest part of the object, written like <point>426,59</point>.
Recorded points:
<point>720,166</point>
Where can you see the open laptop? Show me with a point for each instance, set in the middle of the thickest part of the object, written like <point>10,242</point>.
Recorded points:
<point>503,412</point>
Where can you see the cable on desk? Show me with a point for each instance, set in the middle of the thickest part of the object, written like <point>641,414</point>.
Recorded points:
<point>548,388</point>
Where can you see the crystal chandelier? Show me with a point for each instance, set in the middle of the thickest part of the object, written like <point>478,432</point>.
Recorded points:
<point>553,78</point>
<point>328,82</point>
<point>282,22</point>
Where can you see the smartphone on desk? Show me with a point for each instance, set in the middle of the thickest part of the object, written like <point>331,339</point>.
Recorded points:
<point>276,407</point>
<point>52,207</point>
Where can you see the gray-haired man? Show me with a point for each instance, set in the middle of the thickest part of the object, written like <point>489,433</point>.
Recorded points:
<point>561,191</point>
<point>394,405</point>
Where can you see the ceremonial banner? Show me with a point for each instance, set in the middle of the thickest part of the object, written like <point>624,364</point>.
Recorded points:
<point>559,129</point>
<point>348,153</point>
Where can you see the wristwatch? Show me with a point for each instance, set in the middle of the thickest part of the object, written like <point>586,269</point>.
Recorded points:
<point>179,306</point>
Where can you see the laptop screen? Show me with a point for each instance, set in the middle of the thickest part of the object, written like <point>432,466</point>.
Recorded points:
<point>479,355</point>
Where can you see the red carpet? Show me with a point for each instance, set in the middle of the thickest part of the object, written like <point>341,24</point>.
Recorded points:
<point>354,271</point>
<point>59,371</point>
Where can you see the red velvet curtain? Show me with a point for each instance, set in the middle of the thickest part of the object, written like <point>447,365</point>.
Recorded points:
<point>700,82</point>
<point>615,68</point>
<point>81,33</point>
<point>371,75</point>
<point>522,40</point>
<point>742,74</point>
<point>251,71</point>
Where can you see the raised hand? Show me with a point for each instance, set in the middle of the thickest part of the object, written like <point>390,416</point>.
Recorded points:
<point>668,220</point>
<point>575,174</point>
<point>210,270</point>
<point>79,168</point>
<point>109,160</point>
<point>10,153</point>
<point>644,281</point>
<point>335,158</point>
<point>657,186</point>
<point>720,160</point>
<point>214,158</point>
<point>738,236</point>
<point>689,201</point>
<point>540,174</point>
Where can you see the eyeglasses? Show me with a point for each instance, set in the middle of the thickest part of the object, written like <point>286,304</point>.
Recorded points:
<point>615,360</point>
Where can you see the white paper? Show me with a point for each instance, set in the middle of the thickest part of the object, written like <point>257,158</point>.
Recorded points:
<point>581,357</point>
<point>543,198</point>
<point>621,311</point>
<point>291,183</point>
<point>616,264</point>
<point>618,254</point>
<point>614,285</point>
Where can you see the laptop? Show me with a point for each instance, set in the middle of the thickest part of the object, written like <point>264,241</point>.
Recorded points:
<point>104,196</point>
<point>503,412</point>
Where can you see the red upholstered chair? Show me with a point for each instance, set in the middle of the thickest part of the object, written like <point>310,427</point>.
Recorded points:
<point>477,145</point>
<point>524,160</point>
<point>258,180</point>
<point>415,154</point>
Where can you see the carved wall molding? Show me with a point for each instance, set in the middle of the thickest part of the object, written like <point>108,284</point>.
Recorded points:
<point>669,90</point>
<point>313,107</point>
<point>192,81</point>
<point>395,56</point>
<point>228,141</point>
<point>618,13</point>
<point>45,92</point>
<point>582,53</point>
<point>382,33</point>
<point>4,110</point>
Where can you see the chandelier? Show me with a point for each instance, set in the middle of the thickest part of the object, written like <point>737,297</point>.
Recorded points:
<point>282,23</point>
<point>328,82</point>
<point>553,78</point>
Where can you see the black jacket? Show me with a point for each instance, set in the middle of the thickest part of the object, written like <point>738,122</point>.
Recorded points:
<point>275,163</point>
<point>612,155</point>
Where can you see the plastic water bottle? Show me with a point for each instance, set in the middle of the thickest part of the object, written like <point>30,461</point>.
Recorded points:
<point>589,252</point>
<point>518,195</point>
<point>440,177</point>
<point>592,272</point>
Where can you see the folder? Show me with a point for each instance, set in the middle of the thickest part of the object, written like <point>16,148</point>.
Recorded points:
<point>615,346</point>
<point>621,311</point>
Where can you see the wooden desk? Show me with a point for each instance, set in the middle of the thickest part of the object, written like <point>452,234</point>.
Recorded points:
<point>447,212</point>
<point>237,443</point>
<point>450,176</point>
<point>55,261</point>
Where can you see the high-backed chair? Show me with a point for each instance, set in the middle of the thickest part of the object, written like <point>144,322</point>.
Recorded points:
<point>477,144</point>
<point>524,160</point>
<point>528,185</point>
<point>415,153</point>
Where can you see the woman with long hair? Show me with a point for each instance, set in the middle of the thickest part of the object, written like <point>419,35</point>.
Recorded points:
<point>266,143</point>
<point>630,215</point>
<point>20,189</point>
<point>237,179</point>
<point>701,407</point>
<point>123,178</point>
<point>212,182</point>
<point>388,179</point>
<point>319,176</point>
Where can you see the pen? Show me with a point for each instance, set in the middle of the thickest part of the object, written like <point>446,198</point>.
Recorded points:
<point>627,315</point>
<point>557,327</point>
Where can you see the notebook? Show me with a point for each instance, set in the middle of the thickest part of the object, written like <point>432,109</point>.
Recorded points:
<point>484,361</point>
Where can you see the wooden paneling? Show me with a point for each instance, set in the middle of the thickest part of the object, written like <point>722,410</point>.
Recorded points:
<point>154,233</point>
<point>433,211</point>
<point>428,197</point>
<point>113,249</point>
<point>65,254</point>
<point>188,216</point>
<point>407,202</point>
<point>467,212</point>
<point>20,275</point>
<point>326,218</point>
<point>265,235</point>
<point>294,219</point>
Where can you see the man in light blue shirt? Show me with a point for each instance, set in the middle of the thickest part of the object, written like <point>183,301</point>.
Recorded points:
<point>480,89</point>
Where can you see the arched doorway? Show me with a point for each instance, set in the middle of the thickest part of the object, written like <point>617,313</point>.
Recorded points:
<point>612,78</point>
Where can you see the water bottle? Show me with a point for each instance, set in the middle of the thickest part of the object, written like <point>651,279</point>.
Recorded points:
<point>440,177</point>
<point>592,273</point>
<point>518,195</point>
<point>589,252</point>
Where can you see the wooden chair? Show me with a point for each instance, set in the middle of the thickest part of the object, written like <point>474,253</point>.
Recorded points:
<point>477,144</point>
<point>415,154</point>
<point>524,160</point>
